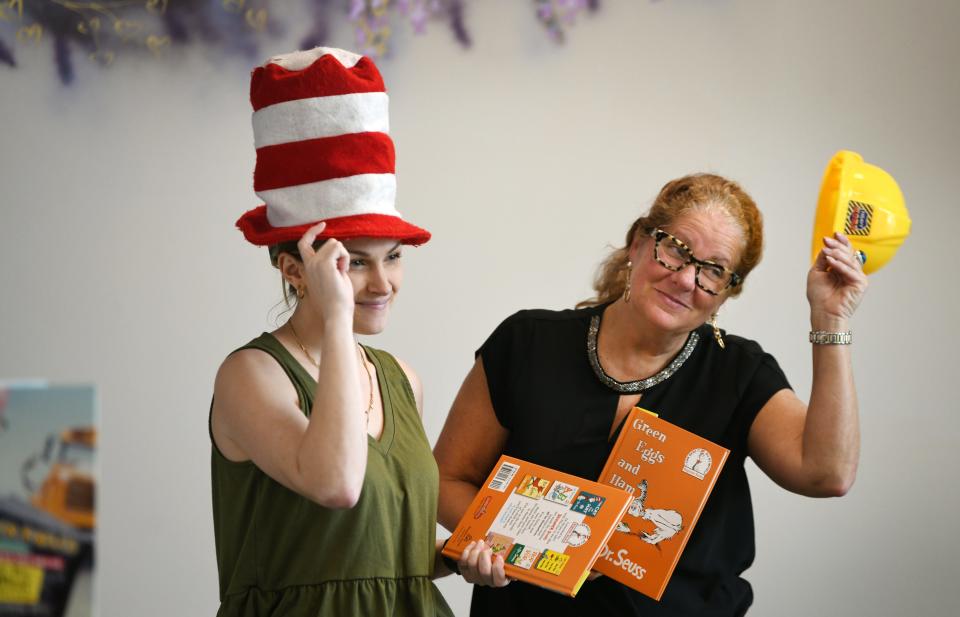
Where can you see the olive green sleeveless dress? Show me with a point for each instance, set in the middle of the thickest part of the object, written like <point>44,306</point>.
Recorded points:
<point>281,554</point>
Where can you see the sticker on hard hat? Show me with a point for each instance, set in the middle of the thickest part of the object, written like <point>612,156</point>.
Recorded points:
<point>859,217</point>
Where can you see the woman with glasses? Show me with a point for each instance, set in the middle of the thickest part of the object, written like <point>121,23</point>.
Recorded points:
<point>553,388</point>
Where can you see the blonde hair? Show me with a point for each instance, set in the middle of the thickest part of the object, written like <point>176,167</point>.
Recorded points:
<point>696,192</point>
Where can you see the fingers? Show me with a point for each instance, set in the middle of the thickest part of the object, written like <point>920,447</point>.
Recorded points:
<point>484,557</point>
<point>838,252</point>
<point>334,250</point>
<point>499,576</point>
<point>478,565</point>
<point>468,561</point>
<point>305,243</point>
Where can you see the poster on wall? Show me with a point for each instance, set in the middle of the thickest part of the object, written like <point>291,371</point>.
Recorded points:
<point>48,443</point>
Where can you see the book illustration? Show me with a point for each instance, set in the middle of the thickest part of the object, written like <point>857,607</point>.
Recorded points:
<point>522,556</point>
<point>48,512</point>
<point>639,502</point>
<point>499,543</point>
<point>578,534</point>
<point>533,487</point>
<point>666,523</point>
<point>552,562</point>
<point>587,503</point>
<point>548,526</point>
<point>669,472</point>
<point>697,463</point>
<point>503,477</point>
<point>561,492</point>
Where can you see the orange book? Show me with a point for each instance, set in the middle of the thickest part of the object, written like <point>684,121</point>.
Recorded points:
<point>670,473</point>
<point>548,526</point>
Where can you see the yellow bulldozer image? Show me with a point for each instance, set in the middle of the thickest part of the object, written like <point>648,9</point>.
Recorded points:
<point>68,489</point>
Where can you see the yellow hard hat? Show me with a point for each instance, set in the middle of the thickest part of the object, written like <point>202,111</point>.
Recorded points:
<point>865,203</point>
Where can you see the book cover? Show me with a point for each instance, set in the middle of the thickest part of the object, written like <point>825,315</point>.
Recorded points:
<point>48,513</point>
<point>670,473</point>
<point>548,526</point>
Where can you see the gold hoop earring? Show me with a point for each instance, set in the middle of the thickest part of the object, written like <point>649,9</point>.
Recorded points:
<point>626,289</point>
<point>301,292</point>
<point>716,331</point>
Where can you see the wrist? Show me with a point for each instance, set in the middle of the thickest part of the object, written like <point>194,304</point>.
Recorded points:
<point>338,324</point>
<point>821,337</point>
<point>829,323</point>
<point>448,562</point>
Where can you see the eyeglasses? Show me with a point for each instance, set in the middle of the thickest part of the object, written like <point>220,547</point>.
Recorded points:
<point>674,255</point>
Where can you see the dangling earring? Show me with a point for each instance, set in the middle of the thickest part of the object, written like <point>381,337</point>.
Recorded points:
<point>716,331</point>
<point>626,289</point>
<point>301,292</point>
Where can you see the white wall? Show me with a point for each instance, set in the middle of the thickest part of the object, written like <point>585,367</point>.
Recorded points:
<point>120,264</point>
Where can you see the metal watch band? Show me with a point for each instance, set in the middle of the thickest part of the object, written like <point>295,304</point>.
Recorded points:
<point>819,337</point>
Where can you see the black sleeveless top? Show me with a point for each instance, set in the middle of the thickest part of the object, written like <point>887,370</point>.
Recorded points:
<point>559,415</point>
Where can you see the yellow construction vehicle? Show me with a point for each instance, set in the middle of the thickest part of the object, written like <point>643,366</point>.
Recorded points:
<point>68,490</point>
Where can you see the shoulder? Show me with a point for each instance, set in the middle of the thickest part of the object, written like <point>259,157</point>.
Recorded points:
<point>412,376</point>
<point>413,380</point>
<point>553,316</point>
<point>534,335</point>
<point>530,320</point>
<point>248,370</point>
<point>247,363</point>
<point>735,346</point>
<point>743,362</point>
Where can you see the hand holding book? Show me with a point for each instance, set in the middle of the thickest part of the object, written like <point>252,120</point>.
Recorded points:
<point>543,526</point>
<point>480,566</point>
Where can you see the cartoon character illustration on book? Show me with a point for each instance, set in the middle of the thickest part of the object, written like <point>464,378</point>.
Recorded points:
<point>667,523</point>
<point>697,463</point>
<point>533,487</point>
<point>499,543</point>
<point>578,534</point>
<point>561,492</point>
<point>588,503</point>
<point>636,506</point>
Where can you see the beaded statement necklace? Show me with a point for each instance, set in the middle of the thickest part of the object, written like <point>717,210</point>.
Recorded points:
<point>633,387</point>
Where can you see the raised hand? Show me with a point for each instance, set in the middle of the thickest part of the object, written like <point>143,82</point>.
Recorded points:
<point>836,283</point>
<point>329,289</point>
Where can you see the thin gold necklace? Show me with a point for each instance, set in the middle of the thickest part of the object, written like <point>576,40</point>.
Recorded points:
<point>363,362</point>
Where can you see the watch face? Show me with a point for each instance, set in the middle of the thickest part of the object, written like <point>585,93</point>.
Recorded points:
<point>578,535</point>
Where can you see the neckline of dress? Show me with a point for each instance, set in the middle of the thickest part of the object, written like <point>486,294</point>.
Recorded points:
<point>639,385</point>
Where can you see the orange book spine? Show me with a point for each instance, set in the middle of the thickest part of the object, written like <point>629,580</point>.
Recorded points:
<point>548,526</point>
<point>670,473</point>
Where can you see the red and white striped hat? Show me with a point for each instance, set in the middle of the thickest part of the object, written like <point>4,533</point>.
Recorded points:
<point>320,126</point>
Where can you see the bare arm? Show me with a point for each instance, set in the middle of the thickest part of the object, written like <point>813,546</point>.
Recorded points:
<point>814,450</point>
<point>256,417</point>
<point>469,445</point>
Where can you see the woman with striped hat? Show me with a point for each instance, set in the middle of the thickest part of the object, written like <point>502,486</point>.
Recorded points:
<point>324,486</point>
